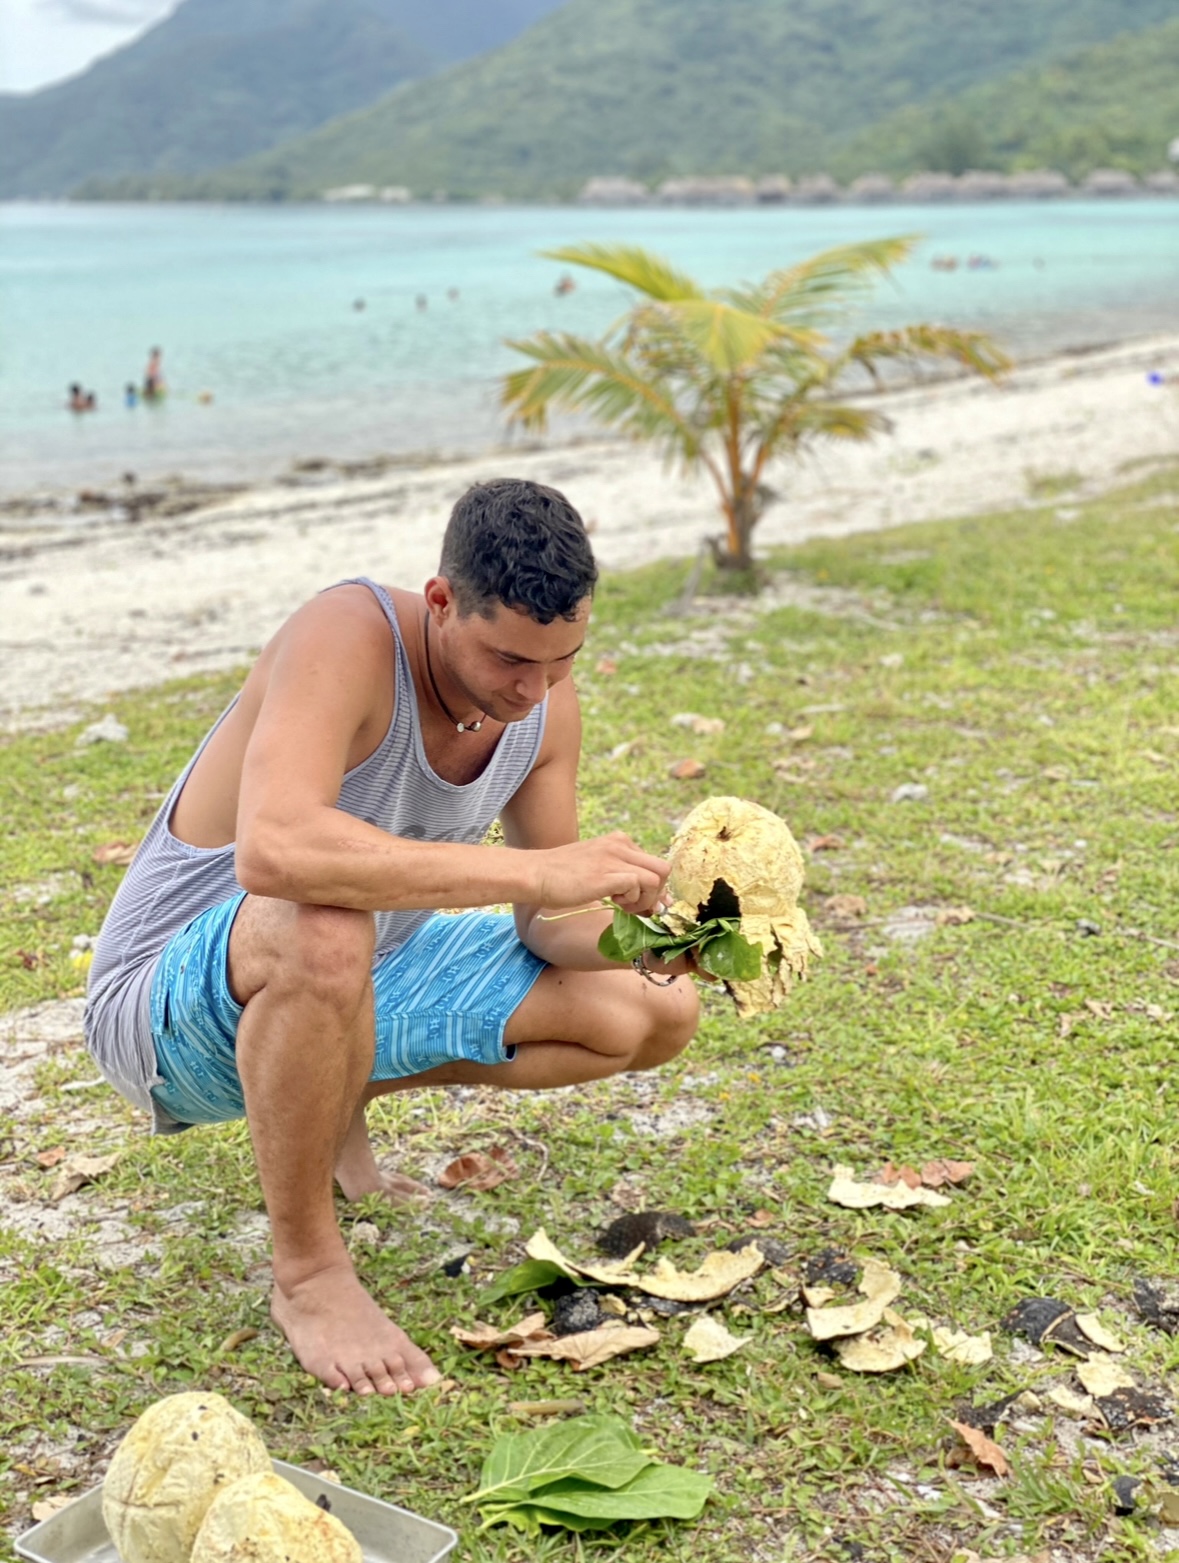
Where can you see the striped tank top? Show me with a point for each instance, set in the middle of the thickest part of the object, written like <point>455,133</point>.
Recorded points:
<point>171,882</point>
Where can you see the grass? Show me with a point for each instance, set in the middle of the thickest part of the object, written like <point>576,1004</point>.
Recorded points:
<point>1023,669</point>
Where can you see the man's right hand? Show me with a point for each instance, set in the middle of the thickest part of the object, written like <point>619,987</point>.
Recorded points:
<point>611,868</point>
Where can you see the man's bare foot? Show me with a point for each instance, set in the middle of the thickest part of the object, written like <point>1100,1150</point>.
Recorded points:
<point>340,1335</point>
<point>357,1172</point>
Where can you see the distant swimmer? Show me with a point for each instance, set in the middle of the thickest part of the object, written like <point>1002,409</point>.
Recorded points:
<point>80,400</point>
<point>130,395</point>
<point>422,301</point>
<point>358,303</point>
<point>564,284</point>
<point>453,295</point>
<point>153,375</point>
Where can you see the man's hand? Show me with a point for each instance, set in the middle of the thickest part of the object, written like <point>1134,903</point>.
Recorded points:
<point>608,868</point>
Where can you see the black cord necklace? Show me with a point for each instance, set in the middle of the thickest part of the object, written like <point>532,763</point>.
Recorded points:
<point>462,727</point>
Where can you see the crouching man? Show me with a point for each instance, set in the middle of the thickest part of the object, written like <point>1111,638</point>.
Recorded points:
<point>276,950</point>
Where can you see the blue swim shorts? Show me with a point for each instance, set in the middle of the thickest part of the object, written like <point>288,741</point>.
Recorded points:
<point>444,995</point>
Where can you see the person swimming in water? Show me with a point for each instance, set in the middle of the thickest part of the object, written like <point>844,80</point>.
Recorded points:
<point>80,400</point>
<point>153,375</point>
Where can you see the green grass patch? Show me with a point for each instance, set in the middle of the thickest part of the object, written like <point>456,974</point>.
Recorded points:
<point>1011,682</point>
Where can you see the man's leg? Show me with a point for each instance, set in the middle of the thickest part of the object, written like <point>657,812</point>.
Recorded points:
<point>304,1053</point>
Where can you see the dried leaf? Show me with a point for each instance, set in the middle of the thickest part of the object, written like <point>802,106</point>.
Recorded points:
<point>78,1170</point>
<point>1101,1008</point>
<point>891,1174</point>
<point>117,852</point>
<point>686,770</point>
<point>846,906</point>
<point>880,1286</point>
<point>936,1173</point>
<point>984,1450</point>
<point>539,1408</point>
<point>478,1172</point>
<point>829,1380</point>
<point>824,844</point>
<point>50,1158</point>
<point>799,735</point>
<point>718,1274</point>
<point>1101,1377</point>
<point>884,1350</point>
<point>709,1341</point>
<point>846,1191</point>
<point>590,1348</point>
<point>46,1508</point>
<point>485,1337</point>
<point>954,916</point>
<point>1080,1407</point>
<point>606,666</point>
<point>1091,1325</point>
<point>1169,1507</point>
<point>236,1339</point>
<point>705,726</point>
<point>817,1296</point>
<point>957,1346</point>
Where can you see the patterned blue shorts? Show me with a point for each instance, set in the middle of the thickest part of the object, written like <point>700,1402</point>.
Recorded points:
<point>445,994</point>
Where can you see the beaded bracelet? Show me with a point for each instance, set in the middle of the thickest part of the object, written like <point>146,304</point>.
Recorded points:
<point>660,982</point>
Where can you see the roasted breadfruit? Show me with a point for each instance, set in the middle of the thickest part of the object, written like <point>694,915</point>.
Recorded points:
<point>263,1519</point>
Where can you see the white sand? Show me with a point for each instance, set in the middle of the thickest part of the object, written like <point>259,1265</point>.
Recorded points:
<point>91,608</point>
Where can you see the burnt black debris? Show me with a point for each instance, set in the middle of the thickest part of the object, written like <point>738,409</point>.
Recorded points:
<point>830,1267</point>
<point>576,1311</point>
<point>988,1416</point>
<point>456,1266</point>
<point>648,1227</point>
<point>324,1502</point>
<point>1046,1322</point>
<point>1158,1303</point>
<point>1125,1489</point>
<point>665,1307</point>
<point>776,1253</point>
<point>1127,1408</point>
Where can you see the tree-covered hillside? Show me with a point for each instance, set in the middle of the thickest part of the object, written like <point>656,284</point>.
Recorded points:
<point>1115,105</point>
<point>652,88</point>
<point>220,79</point>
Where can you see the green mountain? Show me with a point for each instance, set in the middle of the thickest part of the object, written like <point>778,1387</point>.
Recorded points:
<point>652,88</point>
<point>220,79</point>
<point>1114,105</point>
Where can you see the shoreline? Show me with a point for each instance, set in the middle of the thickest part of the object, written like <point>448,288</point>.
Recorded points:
<point>91,608</point>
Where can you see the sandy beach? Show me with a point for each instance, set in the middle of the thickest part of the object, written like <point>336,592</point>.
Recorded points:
<point>93,604</point>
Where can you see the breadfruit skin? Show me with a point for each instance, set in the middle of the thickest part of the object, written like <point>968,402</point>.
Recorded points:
<point>168,1469</point>
<point>263,1519</point>
<point>728,848</point>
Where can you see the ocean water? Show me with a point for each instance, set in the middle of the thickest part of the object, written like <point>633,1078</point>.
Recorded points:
<point>255,308</point>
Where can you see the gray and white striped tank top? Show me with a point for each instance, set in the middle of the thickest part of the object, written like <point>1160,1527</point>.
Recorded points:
<point>170,882</point>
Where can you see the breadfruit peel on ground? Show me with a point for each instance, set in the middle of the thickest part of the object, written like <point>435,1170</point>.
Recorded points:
<point>264,1519</point>
<point>171,1465</point>
<point>733,858</point>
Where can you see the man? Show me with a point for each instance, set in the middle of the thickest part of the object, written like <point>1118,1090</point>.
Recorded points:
<point>241,969</point>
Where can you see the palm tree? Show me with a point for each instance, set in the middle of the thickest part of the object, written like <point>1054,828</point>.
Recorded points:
<point>730,379</point>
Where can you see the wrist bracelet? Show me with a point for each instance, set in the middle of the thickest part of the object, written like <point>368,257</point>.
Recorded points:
<point>660,982</point>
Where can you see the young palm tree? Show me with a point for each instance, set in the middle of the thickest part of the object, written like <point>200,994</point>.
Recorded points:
<point>730,379</point>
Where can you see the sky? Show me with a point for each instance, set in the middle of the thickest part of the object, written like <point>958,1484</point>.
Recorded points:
<point>43,41</point>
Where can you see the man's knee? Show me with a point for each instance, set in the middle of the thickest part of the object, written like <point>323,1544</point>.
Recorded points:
<point>323,952</point>
<point>671,1026</point>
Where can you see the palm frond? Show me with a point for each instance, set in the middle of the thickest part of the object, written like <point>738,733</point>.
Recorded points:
<point>636,267</point>
<point>572,374</point>
<point>728,339</point>
<point>796,421</point>
<point>972,349</point>
<point>815,287</point>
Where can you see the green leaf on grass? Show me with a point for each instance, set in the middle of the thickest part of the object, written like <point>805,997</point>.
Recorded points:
<point>657,1492</point>
<point>530,1276</point>
<point>600,1450</point>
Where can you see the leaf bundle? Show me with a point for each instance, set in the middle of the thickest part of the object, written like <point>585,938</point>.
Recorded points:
<point>716,944</point>
<point>588,1473</point>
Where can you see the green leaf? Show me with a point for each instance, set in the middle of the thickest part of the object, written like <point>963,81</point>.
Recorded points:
<point>527,1277</point>
<point>657,1492</point>
<point>628,936</point>
<point>596,1449</point>
<point>731,957</point>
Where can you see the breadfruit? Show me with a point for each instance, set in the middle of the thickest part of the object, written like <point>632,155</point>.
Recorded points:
<point>168,1469</point>
<point>263,1519</point>
<point>732,858</point>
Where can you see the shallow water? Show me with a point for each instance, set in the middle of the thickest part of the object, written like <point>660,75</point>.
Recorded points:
<point>256,306</point>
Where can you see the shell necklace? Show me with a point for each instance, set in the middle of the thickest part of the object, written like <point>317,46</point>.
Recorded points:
<point>462,727</point>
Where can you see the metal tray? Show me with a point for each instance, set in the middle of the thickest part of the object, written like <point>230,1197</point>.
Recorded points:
<point>387,1534</point>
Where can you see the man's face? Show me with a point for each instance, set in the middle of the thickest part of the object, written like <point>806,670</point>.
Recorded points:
<point>508,663</point>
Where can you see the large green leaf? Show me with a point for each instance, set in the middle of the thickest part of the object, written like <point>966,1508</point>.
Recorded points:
<point>657,1492</point>
<point>730,956</point>
<point>529,1276</point>
<point>598,1449</point>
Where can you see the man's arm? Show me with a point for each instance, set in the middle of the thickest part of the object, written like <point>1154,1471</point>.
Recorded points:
<point>542,818</point>
<point>294,844</point>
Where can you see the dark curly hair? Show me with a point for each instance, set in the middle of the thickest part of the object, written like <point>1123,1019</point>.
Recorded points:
<point>521,544</point>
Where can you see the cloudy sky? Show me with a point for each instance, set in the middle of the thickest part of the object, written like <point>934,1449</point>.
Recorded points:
<point>42,41</point>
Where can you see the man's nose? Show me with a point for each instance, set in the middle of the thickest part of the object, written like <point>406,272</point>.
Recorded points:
<point>534,684</point>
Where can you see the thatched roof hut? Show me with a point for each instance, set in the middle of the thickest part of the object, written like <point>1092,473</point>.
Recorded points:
<point>710,190</point>
<point>982,184</point>
<point>930,187</point>
<point>773,190</point>
<point>872,187</point>
<point>613,190</point>
<point>1038,184</point>
<point>816,190</point>
<point>1165,182</point>
<point>1110,182</point>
